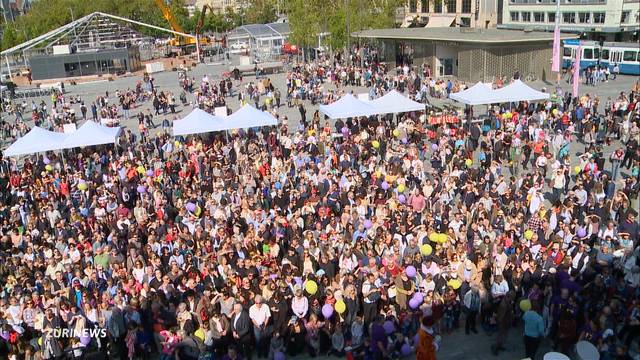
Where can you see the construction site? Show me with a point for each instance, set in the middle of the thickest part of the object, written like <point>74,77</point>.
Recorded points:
<point>104,46</point>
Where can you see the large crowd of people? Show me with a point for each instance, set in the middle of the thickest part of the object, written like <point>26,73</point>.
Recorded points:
<point>366,238</point>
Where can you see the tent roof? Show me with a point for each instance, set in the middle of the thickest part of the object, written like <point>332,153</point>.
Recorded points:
<point>248,117</point>
<point>394,102</point>
<point>346,107</point>
<point>197,122</point>
<point>478,94</point>
<point>518,91</point>
<point>91,134</point>
<point>35,141</point>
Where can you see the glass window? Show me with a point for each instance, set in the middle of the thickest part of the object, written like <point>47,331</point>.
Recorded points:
<point>437,7</point>
<point>413,6</point>
<point>551,17</point>
<point>515,16</point>
<point>424,6</point>
<point>587,54</point>
<point>569,18</point>
<point>526,16</point>
<point>605,54</point>
<point>451,6</point>
<point>596,53</point>
<point>465,22</point>
<point>583,17</point>
<point>538,16</point>
<point>624,17</point>
<point>466,6</point>
<point>566,52</point>
<point>629,56</point>
<point>598,18</point>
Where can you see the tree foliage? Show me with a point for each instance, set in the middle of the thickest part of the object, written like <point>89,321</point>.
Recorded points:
<point>307,18</point>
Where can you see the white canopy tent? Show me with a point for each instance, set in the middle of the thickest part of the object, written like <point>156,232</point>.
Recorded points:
<point>478,94</point>
<point>518,91</point>
<point>248,117</point>
<point>198,122</point>
<point>394,102</point>
<point>35,141</point>
<point>346,107</point>
<point>91,134</point>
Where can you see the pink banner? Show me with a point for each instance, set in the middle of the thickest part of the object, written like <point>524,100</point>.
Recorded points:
<point>576,71</point>
<point>555,61</point>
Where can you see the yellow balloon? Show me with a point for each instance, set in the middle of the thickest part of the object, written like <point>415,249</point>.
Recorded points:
<point>525,304</point>
<point>396,132</point>
<point>311,287</point>
<point>340,306</point>
<point>455,284</point>
<point>199,334</point>
<point>40,341</point>
<point>48,167</point>
<point>82,186</point>
<point>468,162</point>
<point>426,249</point>
<point>443,238</point>
<point>378,174</point>
<point>141,169</point>
<point>577,169</point>
<point>528,234</point>
<point>555,111</point>
<point>375,144</point>
<point>177,143</point>
<point>401,188</point>
<point>433,237</point>
<point>198,211</point>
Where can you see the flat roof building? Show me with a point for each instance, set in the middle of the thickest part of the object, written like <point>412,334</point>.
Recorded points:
<point>469,54</point>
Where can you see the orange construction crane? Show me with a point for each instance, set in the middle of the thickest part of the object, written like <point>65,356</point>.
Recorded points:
<point>166,12</point>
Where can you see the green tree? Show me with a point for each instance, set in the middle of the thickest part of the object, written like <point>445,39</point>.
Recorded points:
<point>261,12</point>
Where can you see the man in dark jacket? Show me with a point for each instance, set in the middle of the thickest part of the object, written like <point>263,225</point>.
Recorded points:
<point>242,330</point>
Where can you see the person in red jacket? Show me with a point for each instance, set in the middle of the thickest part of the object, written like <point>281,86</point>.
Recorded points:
<point>555,253</point>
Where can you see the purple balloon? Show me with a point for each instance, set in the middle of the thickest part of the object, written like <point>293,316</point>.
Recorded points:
<point>418,297</point>
<point>191,207</point>
<point>141,189</point>
<point>368,224</point>
<point>405,350</point>
<point>46,161</point>
<point>278,356</point>
<point>413,303</point>
<point>404,140</point>
<point>434,147</point>
<point>149,172</point>
<point>385,185</point>
<point>410,271</point>
<point>345,130</point>
<point>582,232</point>
<point>85,340</point>
<point>298,280</point>
<point>388,327</point>
<point>416,339</point>
<point>327,311</point>
<point>402,199</point>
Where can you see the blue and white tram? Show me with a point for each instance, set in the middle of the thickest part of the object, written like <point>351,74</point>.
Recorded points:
<point>590,53</point>
<point>625,55</point>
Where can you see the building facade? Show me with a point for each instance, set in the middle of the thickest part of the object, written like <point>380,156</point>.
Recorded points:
<point>468,54</point>
<point>452,13</point>
<point>221,6</point>
<point>602,20</point>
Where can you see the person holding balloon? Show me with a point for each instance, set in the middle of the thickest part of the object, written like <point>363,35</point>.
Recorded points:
<point>405,286</point>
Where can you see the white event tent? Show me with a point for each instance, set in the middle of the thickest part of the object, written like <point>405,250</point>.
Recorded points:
<point>347,107</point>
<point>518,91</point>
<point>249,117</point>
<point>393,102</point>
<point>198,122</point>
<point>478,94</point>
<point>35,141</point>
<point>91,134</point>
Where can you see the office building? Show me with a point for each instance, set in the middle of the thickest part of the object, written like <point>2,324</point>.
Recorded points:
<point>602,20</point>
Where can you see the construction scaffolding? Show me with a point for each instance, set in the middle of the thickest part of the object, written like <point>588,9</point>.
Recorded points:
<point>94,32</point>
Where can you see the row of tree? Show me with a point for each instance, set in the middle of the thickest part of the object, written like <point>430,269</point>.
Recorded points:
<point>307,18</point>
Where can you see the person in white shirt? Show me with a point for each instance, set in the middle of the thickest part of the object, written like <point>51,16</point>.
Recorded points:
<point>499,288</point>
<point>299,303</point>
<point>260,315</point>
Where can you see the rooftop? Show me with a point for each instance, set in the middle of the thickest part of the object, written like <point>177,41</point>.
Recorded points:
<point>469,35</point>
